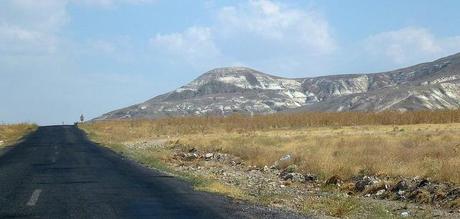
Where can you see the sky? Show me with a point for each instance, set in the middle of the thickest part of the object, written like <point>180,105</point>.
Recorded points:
<point>63,58</point>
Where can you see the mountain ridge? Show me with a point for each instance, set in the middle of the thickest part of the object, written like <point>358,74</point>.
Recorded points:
<point>222,91</point>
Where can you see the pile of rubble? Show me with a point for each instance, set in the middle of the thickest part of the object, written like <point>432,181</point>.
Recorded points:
<point>417,190</point>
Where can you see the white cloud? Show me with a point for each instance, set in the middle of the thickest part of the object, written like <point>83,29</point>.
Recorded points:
<point>279,24</point>
<point>195,45</point>
<point>111,3</point>
<point>15,40</point>
<point>29,27</point>
<point>45,15</point>
<point>261,33</point>
<point>410,45</point>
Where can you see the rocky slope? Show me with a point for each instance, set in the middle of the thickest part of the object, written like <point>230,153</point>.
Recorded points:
<point>222,91</point>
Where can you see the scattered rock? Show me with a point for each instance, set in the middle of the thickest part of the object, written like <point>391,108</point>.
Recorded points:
<point>290,174</point>
<point>208,156</point>
<point>190,156</point>
<point>235,162</point>
<point>266,169</point>
<point>423,183</point>
<point>221,157</point>
<point>380,192</point>
<point>405,214</point>
<point>281,162</point>
<point>454,194</point>
<point>310,177</point>
<point>361,184</point>
<point>283,176</point>
<point>295,177</point>
<point>286,157</point>
<point>2,142</point>
<point>375,187</point>
<point>400,186</point>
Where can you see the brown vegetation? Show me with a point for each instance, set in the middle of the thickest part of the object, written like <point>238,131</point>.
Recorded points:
<point>9,134</point>
<point>345,144</point>
<point>244,123</point>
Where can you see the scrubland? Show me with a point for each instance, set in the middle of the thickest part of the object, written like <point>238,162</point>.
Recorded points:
<point>345,144</point>
<point>9,134</point>
<point>389,145</point>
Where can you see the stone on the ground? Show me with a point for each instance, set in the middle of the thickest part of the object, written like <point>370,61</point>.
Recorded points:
<point>380,192</point>
<point>423,183</point>
<point>310,177</point>
<point>208,156</point>
<point>360,185</point>
<point>400,186</point>
<point>266,169</point>
<point>286,157</point>
<point>190,156</point>
<point>295,177</point>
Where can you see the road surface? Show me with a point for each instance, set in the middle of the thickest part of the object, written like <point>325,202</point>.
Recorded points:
<point>56,172</point>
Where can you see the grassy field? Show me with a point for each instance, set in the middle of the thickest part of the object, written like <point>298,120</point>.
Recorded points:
<point>410,150</point>
<point>9,134</point>
<point>423,144</point>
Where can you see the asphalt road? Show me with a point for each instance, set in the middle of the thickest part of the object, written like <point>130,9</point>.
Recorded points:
<point>56,172</point>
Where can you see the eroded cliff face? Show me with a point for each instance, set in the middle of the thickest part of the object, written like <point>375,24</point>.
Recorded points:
<point>222,91</point>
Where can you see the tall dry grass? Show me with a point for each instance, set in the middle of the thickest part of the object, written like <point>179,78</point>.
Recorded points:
<point>411,150</point>
<point>389,143</point>
<point>244,123</point>
<point>9,134</point>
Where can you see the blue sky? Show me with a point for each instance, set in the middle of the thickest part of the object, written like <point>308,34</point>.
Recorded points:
<point>60,58</point>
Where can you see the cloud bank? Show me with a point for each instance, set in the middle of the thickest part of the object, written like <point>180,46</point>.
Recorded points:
<point>410,45</point>
<point>260,33</point>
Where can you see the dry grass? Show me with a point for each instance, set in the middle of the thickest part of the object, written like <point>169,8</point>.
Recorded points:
<point>419,150</point>
<point>220,188</point>
<point>9,134</point>
<point>246,124</point>
<point>345,207</point>
<point>322,143</point>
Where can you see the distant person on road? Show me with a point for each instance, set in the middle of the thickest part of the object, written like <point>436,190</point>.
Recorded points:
<point>82,118</point>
